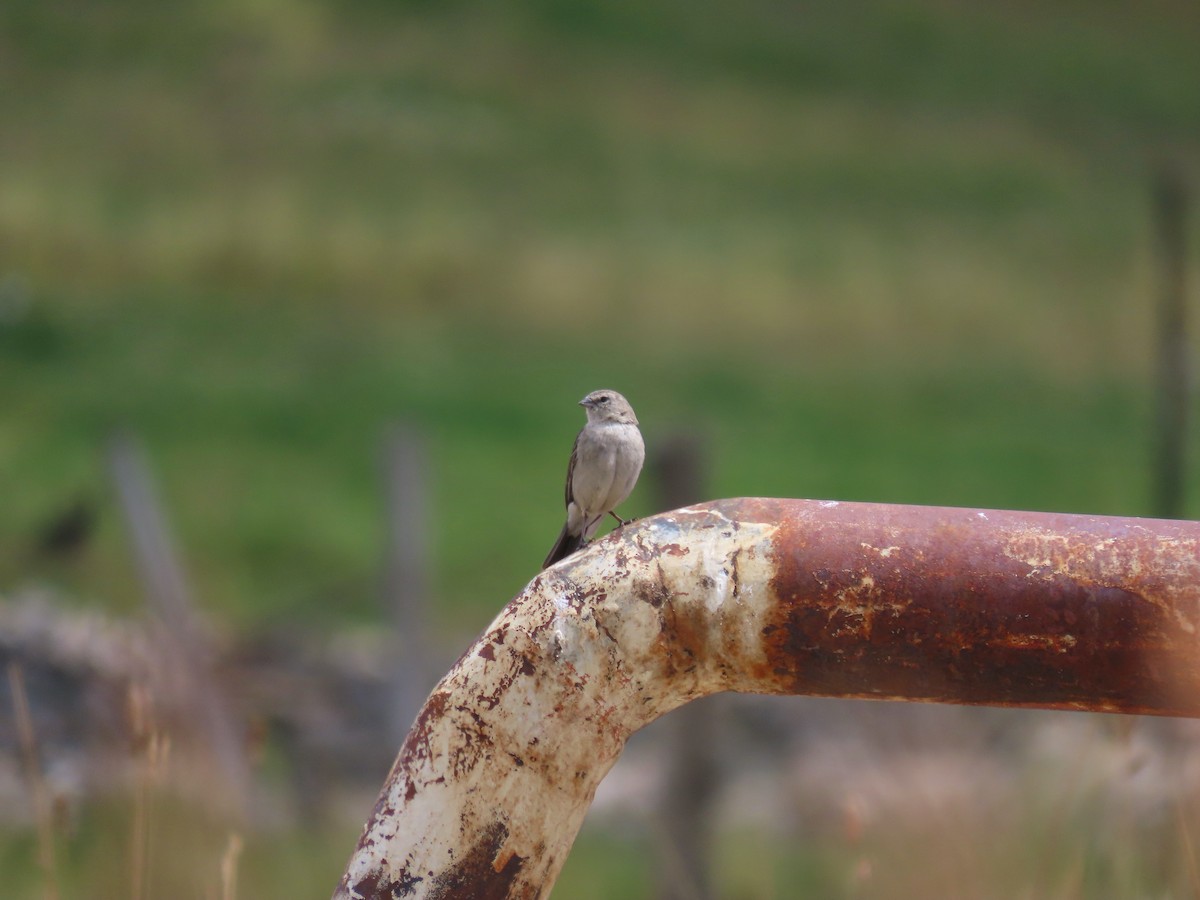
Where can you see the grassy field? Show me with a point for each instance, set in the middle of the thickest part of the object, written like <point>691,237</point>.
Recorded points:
<point>881,251</point>
<point>901,254</point>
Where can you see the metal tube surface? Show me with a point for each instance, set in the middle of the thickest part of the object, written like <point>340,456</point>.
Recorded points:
<point>767,596</point>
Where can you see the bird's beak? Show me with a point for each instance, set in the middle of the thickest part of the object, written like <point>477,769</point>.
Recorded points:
<point>586,403</point>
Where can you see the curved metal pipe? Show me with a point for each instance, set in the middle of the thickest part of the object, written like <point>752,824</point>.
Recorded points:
<point>767,596</point>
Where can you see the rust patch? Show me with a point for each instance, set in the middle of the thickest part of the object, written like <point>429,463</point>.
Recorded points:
<point>936,604</point>
<point>374,886</point>
<point>480,873</point>
<point>416,742</point>
<point>673,550</point>
<point>369,886</point>
<point>684,632</point>
<point>518,664</point>
<point>652,591</point>
<point>487,652</point>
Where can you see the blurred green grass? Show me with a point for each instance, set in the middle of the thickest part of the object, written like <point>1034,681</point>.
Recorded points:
<point>268,448</point>
<point>883,251</point>
<point>895,253</point>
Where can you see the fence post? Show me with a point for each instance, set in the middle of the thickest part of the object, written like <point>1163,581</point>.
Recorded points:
<point>684,845</point>
<point>406,572</point>
<point>1171,352</point>
<point>184,652</point>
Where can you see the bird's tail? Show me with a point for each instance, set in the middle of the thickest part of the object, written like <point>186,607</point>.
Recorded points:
<point>566,544</point>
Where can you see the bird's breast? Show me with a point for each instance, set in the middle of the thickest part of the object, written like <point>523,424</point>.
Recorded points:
<point>607,466</point>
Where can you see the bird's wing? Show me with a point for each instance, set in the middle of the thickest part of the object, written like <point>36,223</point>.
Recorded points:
<point>570,494</point>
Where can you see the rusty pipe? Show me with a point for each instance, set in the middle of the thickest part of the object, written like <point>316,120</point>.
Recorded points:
<point>767,596</point>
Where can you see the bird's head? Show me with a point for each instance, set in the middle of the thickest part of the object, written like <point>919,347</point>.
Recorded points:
<point>608,406</point>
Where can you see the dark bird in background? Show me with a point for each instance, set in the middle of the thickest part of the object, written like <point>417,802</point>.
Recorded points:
<point>65,534</point>
<point>605,463</point>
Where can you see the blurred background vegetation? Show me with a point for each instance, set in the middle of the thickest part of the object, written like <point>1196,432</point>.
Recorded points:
<point>888,251</point>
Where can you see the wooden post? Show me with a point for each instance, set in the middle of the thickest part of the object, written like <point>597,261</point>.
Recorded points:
<point>684,844</point>
<point>406,573</point>
<point>184,645</point>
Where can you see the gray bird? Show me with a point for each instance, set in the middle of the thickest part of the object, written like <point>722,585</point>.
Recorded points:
<point>605,463</point>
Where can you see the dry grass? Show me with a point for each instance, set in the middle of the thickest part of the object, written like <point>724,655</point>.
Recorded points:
<point>40,797</point>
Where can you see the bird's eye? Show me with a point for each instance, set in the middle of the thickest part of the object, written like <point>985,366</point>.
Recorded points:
<point>603,399</point>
